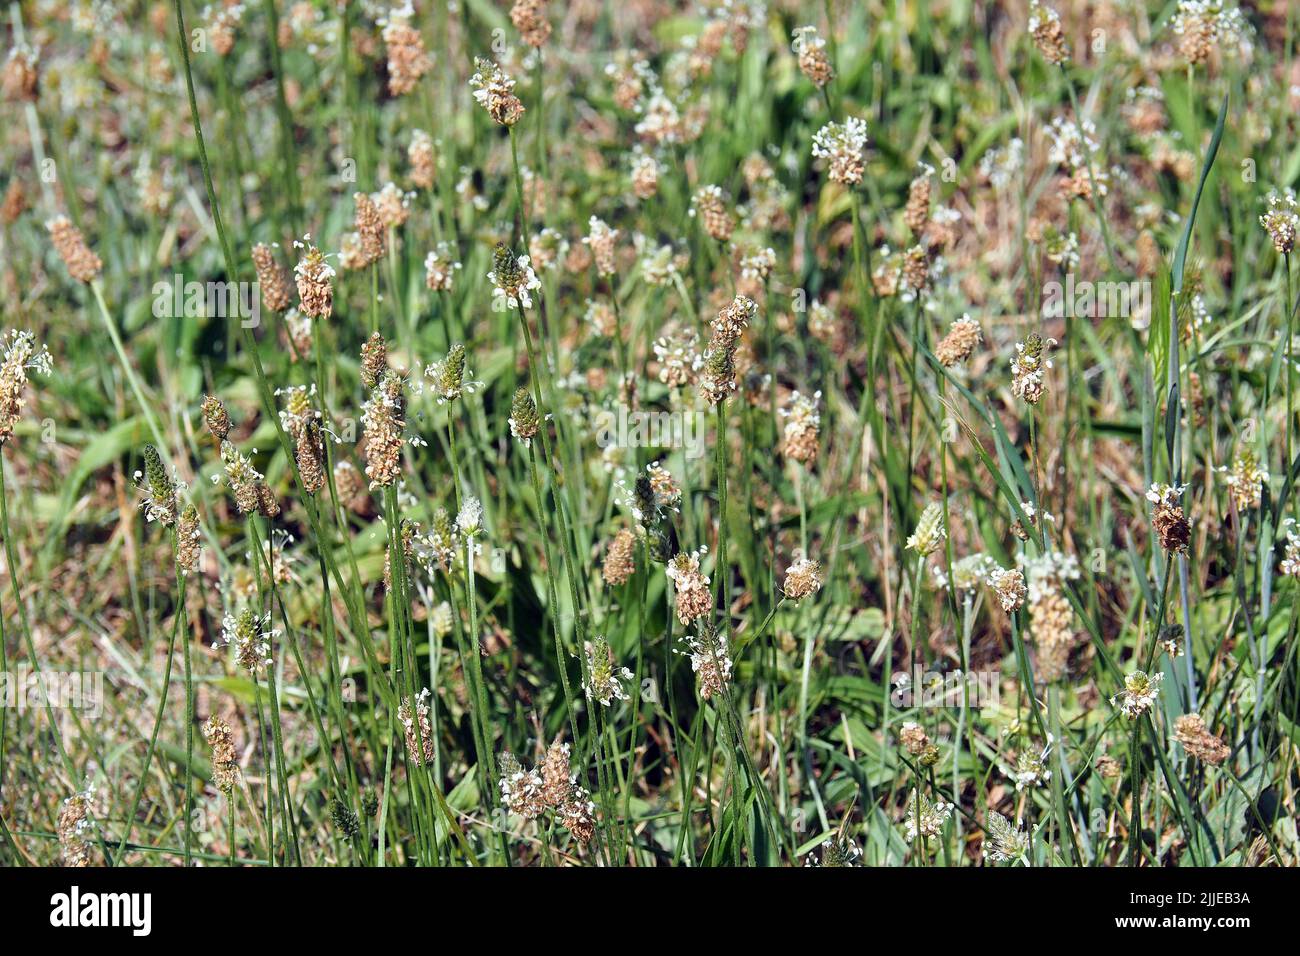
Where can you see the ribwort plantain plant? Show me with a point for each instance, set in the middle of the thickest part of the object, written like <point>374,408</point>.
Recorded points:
<point>739,436</point>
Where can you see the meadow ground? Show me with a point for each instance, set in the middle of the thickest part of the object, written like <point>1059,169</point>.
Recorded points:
<point>649,434</point>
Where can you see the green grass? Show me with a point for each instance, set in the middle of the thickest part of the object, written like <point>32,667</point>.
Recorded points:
<point>174,160</point>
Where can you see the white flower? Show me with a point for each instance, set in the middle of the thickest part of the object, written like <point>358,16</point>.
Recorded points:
<point>1031,768</point>
<point>1139,694</point>
<point>515,296</point>
<point>440,268</point>
<point>250,636</point>
<point>1001,165</point>
<point>1069,147</point>
<point>924,817</point>
<point>1004,843</point>
<point>469,520</point>
<point>843,144</point>
<point>929,533</point>
<point>1291,560</point>
<point>968,573</point>
<point>604,681</point>
<point>1167,495</point>
<point>835,851</point>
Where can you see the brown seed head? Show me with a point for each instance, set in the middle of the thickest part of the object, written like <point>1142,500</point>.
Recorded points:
<point>420,156</point>
<point>83,265</point>
<point>19,79</point>
<point>271,279</point>
<point>707,204</point>
<point>962,338</point>
<point>1049,36</point>
<point>813,61</point>
<point>225,757</point>
<point>620,559</point>
<point>529,18</point>
<point>216,417</point>
<point>370,229</point>
<point>407,59</point>
<point>315,280</point>
<point>1190,731</point>
<point>374,360</point>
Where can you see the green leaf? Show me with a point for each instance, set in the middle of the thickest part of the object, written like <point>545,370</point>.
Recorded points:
<point>1180,256</point>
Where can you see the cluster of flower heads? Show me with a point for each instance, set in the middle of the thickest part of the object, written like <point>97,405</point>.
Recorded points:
<point>303,24</point>
<point>222,22</point>
<point>604,680</point>
<point>1281,220</point>
<point>407,58</point>
<point>718,381</point>
<point>1009,586</point>
<point>383,418</point>
<point>550,788</point>
<point>367,243</point>
<point>1167,517</point>
<point>1049,36</point>
<point>1003,842</point>
<point>1028,366</point>
<point>1073,142</point>
<point>188,541</point>
<point>250,635</point>
<point>620,559</point>
<point>803,578</point>
<point>690,585</point>
<point>969,573</point>
<point>452,539</point>
<point>440,267</point>
<point>314,277</point>
<point>82,264</point>
<point>21,355</point>
<point>513,280</point>
<point>494,90</point>
<point>709,206</point>
<point>247,484</point>
<point>1246,480</point>
<point>963,338</point>
<point>422,160</point>
<point>225,757</point>
<point>1191,731</point>
<point>158,489</point>
<point>930,532</point>
<point>302,422</point>
<point>810,48</point>
<point>925,817</point>
<point>417,729</point>
<point>601,239</point>
<point>912,735</point>
<point>1051,617</point>
<point>19,77</point>
<point>271,279</point>
<point>836,851</point>
<point>802,427</point>
<point>1290,563</point>
<point>1141,690</point>
<point>1205,26</point>
<point>75,828</point>
<point>679,357</point>
<point>450,378</point>
<point>529,18</point>
<point>710,657</point>
<point>525,422</point>
<point>843,146</point>
<point>1002,164</point>
<point>1031,767</point>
